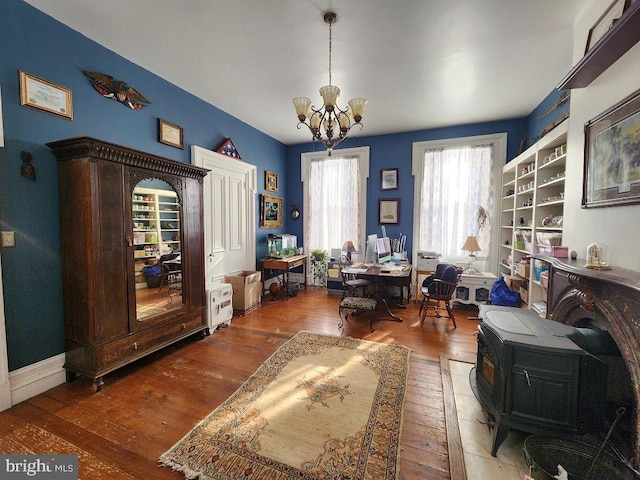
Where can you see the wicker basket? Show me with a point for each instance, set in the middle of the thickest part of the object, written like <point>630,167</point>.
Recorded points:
<point>544,454</point>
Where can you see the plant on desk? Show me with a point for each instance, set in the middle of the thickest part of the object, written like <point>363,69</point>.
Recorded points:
<point>319,266</point>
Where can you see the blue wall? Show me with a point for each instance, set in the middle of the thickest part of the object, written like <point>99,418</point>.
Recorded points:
<point>37,44</point>
<point>392,151</point>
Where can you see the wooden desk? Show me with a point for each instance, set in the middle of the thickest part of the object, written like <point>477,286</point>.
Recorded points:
<point>284,265</point>
<point>396,278</point>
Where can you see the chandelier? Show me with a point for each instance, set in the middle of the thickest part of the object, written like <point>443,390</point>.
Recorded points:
<point>329,124</point>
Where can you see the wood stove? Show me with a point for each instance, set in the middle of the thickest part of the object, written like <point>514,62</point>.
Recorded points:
<point>531,375</point>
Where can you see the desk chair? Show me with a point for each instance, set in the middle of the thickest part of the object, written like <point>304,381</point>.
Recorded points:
<point>351,284</point>
<point>440,287</point>
<point>171,273</point>
<point>351,302</point>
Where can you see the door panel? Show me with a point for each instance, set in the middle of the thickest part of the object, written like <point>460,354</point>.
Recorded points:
<point>229,213</point>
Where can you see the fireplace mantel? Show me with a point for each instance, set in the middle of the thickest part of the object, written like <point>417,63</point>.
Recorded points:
<point>606,299</point>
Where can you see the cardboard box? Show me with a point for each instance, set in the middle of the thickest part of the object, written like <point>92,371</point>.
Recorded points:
<point>247,289</point>
<point>514,282</point>
<point>524,294</point>
<point>523,270</point>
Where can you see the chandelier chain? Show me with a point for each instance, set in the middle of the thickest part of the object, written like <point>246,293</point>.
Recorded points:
<point>329,124</point>
<point>330,42</point>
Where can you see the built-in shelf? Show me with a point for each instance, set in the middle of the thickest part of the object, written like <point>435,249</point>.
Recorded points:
<point>623,35</point>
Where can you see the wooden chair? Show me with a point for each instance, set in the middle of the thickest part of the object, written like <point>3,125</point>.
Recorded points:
<point>440,287</point>
<point>351,284</point>
<point>355,297</point>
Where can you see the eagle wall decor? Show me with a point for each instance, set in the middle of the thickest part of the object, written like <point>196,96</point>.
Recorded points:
<point>118,90</point>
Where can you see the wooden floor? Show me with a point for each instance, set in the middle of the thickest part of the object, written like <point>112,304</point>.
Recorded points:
<point>146,407</point>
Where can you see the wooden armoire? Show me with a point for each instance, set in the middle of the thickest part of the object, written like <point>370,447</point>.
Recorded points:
<point>103,327</point>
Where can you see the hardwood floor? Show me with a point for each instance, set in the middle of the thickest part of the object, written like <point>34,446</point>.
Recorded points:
<point>146,407</point>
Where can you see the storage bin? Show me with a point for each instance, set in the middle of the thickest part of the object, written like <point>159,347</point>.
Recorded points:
<point>558,252</point>
<point>518,245</point>
<point>538,270</point>
<point>544,279</point>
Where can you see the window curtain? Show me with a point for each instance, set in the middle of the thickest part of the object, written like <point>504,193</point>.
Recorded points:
<point>456,181</point>
<point>334,214</point>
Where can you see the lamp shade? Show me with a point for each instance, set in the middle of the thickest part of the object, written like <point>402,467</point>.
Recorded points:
<point>348,247</point>
<point>471,245</point>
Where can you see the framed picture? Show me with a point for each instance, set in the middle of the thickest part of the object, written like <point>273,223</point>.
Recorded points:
<point>389,179</point>
<point>389,211</point>
<point>270,211</point>
<point>605,22</point>
<point>612,145</point>
<point>45,96</point>
<point>170,134</point>
<point>270,181</point>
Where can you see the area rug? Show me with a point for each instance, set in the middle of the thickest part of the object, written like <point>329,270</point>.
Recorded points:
<point>321,407</point>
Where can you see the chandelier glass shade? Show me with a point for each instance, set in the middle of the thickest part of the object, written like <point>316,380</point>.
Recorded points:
<point>329,124</point>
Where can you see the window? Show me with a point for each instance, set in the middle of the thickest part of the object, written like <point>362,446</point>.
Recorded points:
<point>453,178</point>
<point>335,192</point>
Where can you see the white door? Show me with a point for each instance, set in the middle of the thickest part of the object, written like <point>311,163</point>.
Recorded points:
<point>229,213</point>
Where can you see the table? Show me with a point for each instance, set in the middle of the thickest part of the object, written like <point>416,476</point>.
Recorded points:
<point>382,279</point>
<point>284,265</point>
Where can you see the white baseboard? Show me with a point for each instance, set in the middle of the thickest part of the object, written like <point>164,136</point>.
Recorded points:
<point>34,379</point>
<point>5,396</point>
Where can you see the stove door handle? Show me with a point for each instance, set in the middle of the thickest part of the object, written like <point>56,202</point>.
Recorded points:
<point>526,374</point>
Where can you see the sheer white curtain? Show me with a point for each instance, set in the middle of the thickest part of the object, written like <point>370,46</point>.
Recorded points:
<point>455,182</point>
<point>334,208</point>
<point>335,198</point>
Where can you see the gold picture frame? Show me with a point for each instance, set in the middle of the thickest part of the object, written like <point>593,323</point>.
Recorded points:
<point>46,96</point>
<point>170,134</point>
<point>270,211</point>
<point>270,181</point>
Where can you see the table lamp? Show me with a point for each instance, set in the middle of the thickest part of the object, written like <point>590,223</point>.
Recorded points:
<point>471,246</point>
<point>349,248</point>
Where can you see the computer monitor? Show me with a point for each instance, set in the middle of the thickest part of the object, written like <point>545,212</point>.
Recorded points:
<point>370,249</point>
<point>383,247</point>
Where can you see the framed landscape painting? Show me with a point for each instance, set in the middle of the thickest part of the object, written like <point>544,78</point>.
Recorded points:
<point>612,156</point>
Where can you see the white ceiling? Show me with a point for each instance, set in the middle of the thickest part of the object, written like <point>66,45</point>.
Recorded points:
<point>421,63</point>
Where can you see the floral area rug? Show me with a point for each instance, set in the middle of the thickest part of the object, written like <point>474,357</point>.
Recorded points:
<point>321,407</point>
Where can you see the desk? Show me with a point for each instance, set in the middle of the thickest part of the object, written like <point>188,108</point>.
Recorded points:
<point>399,278</point>
<point>284,265</point>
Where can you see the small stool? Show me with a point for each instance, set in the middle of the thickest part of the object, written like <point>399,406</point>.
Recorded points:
<point>359,304</point>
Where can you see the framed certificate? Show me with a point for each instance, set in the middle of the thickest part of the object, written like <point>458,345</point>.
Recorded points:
<point>45,96</point>
<point>170,134</point>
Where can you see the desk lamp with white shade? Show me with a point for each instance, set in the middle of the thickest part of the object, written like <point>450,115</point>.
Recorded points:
<point>471,246</point>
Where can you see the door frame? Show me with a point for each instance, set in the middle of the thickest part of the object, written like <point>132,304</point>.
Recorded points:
<point>198,154</point>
